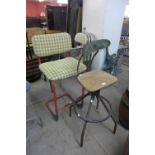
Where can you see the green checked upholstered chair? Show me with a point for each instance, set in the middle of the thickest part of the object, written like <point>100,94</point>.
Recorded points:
<point>51,44</point>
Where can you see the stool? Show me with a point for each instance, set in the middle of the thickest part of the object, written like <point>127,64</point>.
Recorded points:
<point>93,82</point>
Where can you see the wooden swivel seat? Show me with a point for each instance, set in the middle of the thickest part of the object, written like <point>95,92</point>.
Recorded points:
<point>93,82</point>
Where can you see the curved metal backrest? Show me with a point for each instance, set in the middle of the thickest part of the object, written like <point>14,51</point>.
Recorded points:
<point>50,44</point>
<point>88,50</point>
<point>95,46</point>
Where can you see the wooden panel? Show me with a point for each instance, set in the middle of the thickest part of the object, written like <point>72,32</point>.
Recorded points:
<point>95,80</point>
<point>56,17</point>
<point>32,32</point>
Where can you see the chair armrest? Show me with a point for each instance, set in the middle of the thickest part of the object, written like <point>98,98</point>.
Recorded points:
<point>74,52</point>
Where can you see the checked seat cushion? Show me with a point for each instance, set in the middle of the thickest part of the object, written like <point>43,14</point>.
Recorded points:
<point>61,69</point>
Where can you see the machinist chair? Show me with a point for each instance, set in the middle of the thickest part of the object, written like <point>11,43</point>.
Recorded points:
<point>93,82</point>
<point>81,39</point>
<point>51,44</point>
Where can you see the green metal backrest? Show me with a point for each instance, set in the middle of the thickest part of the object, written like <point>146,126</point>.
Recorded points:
<point>88,50</point>
<point>95,46</point>
<point>50,44</point>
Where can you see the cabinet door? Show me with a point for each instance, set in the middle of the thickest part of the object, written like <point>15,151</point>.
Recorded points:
<point>50,18</point>
<point>56,18</point>
<point>60,14</point>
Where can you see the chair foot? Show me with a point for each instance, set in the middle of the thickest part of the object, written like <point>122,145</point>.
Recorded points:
<point>55,117</point>
<point>115,127</point>
<point>115,122</point>
<point>85,123</point>
<point>109,110</point>
<point>83,133</point>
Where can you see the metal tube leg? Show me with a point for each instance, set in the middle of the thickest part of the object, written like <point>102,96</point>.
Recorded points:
<point>70,110</point>
<point>55,101</point>
<point>97,97</point>
<point>82,134</point>
<point>85,123</point>
<point>75,103</point>
<point>82,95</point>
<point>110,111</point>
<point>115,126</point>
<point>80,105</point>
<point>97,106</point>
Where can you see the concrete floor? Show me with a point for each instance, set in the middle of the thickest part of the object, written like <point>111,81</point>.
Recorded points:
<point>62,137</point>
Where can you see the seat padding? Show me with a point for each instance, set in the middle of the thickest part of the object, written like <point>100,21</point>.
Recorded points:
<point>61,69</point>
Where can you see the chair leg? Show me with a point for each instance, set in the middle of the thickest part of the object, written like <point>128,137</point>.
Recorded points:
<point>97,106</point>
<point>82,134</point>
<point>115,127</point>
<point>80,105</point>
<point>111,113</point>
<point>70,110</point>
<point>82,95</point>
<point>115,122</point>
<point>85,123</point>
<point>55,116</point>
<point>76,102</point>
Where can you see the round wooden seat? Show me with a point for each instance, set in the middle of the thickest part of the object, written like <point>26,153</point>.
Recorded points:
<point>96,80</point>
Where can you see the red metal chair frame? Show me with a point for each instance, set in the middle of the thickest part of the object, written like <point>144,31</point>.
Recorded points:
<point>55,98</point>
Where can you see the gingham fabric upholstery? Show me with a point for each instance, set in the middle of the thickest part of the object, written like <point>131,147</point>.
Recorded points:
<point>61,69</point>
<point>81,38</point>
<point>50,44</point>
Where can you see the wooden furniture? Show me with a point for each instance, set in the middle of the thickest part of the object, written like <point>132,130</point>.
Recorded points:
<point>126,147</point>
<point>93,82</point>
<point>37,31</point>
<point>51,31</point>
<point>56,17</point>
<point>32,32</point>
<point>124,110</point>
<point>34,22</point>
<point>74,18</point>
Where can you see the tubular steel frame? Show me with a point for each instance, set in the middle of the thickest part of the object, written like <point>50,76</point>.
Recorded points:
<point>55,98</point>
<point>54,101</point>
<point>86,119</point>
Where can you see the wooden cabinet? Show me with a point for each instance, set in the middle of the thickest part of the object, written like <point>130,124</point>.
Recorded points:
<point>56,17</point>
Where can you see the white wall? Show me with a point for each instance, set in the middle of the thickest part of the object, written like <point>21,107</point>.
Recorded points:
<point>93,15</point>
<point>62,1</point>
<point>104,18</point>
<point>113,20</point>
